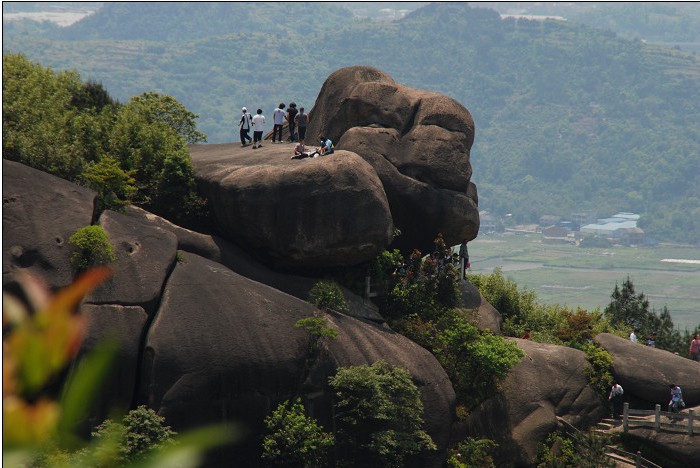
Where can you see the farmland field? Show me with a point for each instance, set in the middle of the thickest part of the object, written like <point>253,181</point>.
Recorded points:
<point>586,277</point>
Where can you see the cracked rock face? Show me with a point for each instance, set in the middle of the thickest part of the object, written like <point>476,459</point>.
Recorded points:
<point>419,143</point>
<point>197,341</point>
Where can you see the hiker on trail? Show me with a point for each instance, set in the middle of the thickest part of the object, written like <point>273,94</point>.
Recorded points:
<point>291,116</point>
<point>615,398</point>
<point>694,350</point>
<point>464,257</point>
<point>526,335</point>
<point>633,335</point>
<point>676,403</point>
<point>245,124</point>
<point>258,128</point>
<point>302,121</point>
<point>278,119</point>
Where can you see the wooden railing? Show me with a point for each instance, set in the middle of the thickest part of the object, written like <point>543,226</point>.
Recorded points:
<point>686,422</point>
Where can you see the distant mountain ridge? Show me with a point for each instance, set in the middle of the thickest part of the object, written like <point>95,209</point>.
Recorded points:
<point>568,118</point>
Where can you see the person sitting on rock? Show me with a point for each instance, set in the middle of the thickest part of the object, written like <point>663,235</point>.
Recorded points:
<point>326,147</point>
<point>300,151</point>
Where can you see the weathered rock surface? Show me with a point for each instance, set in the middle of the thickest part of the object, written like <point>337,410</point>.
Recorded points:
<point>486,316</point>
<point>200,343</point>
<point>145,255</point>
<point>39,213</point>
<point>232,339</point>
<point>320,212</point>
<point>419,143</point>
<point>645,373</point>
<point>549,382</point>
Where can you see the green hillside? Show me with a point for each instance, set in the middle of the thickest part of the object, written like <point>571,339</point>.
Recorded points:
<point>568,117</point>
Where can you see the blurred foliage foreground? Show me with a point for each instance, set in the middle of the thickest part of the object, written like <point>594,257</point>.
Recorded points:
<point>41,417</point>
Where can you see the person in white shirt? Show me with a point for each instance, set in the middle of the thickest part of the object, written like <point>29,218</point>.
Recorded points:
<point>258,128</point>
<point>633,336</point>
<point>615,397</point>
<point>278,119</point>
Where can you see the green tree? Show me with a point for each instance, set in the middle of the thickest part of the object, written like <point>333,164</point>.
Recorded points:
<point>627,307</point>
<point>581,449</point>
<point>113,185</point>
<point>139,433</point>
<point>295,439</point>
<point>166,109</point>
<point>472,453</point>
<point>92,248</point>
<point>158,155</point>
<point>327,295</point>
<point>378,416</point>
<point>36,116</point>
<point>599,370</point>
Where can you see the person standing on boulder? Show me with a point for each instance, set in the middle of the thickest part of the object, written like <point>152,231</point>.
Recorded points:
<point>278,119</point>
<point>291,116</point>
<point>244,123</point>
<point>258,128</point>
<point>464,258</point>
<point>633,335</point>
<point>615,398</point>
<point>694,350</point>
<point>302,121</point>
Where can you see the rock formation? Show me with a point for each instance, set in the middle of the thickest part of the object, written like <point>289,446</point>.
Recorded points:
<point>548,383</point>
<point>310,213</point>
<point>418,142</point>
<point>198,342</point>
<point>401,160</point>
<point>645,373</point>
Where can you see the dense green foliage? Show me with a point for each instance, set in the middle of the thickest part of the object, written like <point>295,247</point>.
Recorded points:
<point>599,370</point>
<point>130,442</point>
<point>559,325</point>
<point>378,416</point>
<point>92,248</point>
<point>327,295</point>
<point>422,299</point>
<point>568,117</point>
<point>581,449</point>
<point>295,439</point>
<point>472,453</point>
<point>130,153</point>
<point>139,432</point>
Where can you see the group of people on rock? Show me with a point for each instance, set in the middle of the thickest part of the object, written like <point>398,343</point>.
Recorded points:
<point>693,349</point>
<point>651,339</point>
<point>298,121</point>
<point>675,404</point>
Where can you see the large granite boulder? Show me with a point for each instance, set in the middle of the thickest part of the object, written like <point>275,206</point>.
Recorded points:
<point>223,348</point>
<point>547,384</point>
<point>39,214</point>
<point>145,256</point>
<point>197,341</point>
<point>311,213</point>
<point>645,373</point>
<point>419,143</point>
